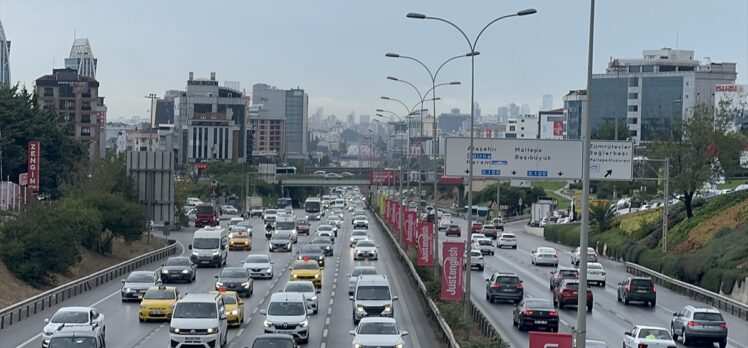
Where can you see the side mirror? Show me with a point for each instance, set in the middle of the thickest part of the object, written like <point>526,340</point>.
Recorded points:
<point>272,262</point>
<point>552,274</point>
<point>620,283</point>
<point>352,332</point>
<point>405,333</point>
<point>347,275</point>
<point>189,247</point>
<point>487,279</point>
<point>521,281</point>
<point>124,280</point>
<point>290,268</point>
<point>675,314</point>
<point>215,276</point>
<point>394,298</point>
<point>46,320</point>
<point>263,312</point>
<point>532,251</point>
<point>223,316</point>
<point>350,298</point>
<point>627,333</point>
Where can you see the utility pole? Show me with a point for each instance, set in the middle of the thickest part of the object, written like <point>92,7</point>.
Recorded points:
<point>665,204</point>
<point>498,198</point>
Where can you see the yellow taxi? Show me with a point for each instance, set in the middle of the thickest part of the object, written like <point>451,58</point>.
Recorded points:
<point>234,306</point>
<point>239,238</point>
<point>307,269</point>
<point>158,303</point>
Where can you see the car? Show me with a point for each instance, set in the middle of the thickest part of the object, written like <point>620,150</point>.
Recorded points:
<point>273,341</point>
<point>453,230</point>
<point>307,270</point>
<point>312,252</point>
<point>259,266</point>
<point>360,219</point>
<point>330,228</point>
<point>348,174</point>
<point>591,255</point>
<point>240,238</point>
<point>199,319</point>
<point>444,224</point>
<point>326,234</point>
<point>235,221</point>
<point>640,289</point>
<point>372,298</point>
<point>595,273</point>
<point>178,268</point>
<point>325,243</point>
<point>287,223</point>
<point>533,314</point>
<point>544,256</point>
<point>78,316</point>
<point>365,249</point>
<point>474,236</point>
<point>280,241</point>
<point>476,227</point>
<point>333,220</point>
<point>565,294</point>
<point>358,271</point>
<point>78,337</point>
<point>136,284</point>
<point>504,286</point>
<point>562,273</point>
<point>648,336</point>
<point>255,211</point>
<point>235,279</point>
<point>332,176</point>
<point>485,245</point>
<point>191,214</point>
<point>287,313</point>
<point>229,209</point>
<point>269,215</point>
<point>319,173</point>
<point>704,324</point>
<point>507,239</point>
<point>357,235</point>
<point>476,260</point>
<point>307,289</point>
<point>193,201</point>
<point>378,332</point>
<point>498,223</point>
<point>158,303</point>
<point>490,231</point>
<point>302,226</point>
<point>592,344</point>
<point>234,306</point>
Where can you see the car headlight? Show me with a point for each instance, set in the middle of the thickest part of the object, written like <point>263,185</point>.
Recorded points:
<point>165,271</point>
<point>215,253</point>
<point>219,284</point>
<point>388,309</point>
<point>399,345</point>
<point>246,285</point>
<point>212,330</point>
<point>356,345</point>
<point>174,330</point>
<point>143,305</point>
<point>267,323</point>
<point>269,270</point>
<point>304,323</point>
<point>234,312</point>
<point>316,276</point>
<point>194,252</point>
<point>293,276</point>
<point>360,308</point>
<point>313,298</point>
<point>128,290</point>
<point>185,271</point>
<point>171,306</point>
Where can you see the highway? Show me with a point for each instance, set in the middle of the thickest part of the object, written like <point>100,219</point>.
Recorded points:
<point>609,319</point>
<point>329,328</point>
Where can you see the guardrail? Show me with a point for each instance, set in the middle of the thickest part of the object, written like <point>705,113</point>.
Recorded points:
<point>433,312</point>
<point>487,326</point>
<point>711,298</point>
<point>25,309</point>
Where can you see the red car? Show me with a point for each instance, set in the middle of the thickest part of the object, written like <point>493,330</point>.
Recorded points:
<point>206,215</point>
<point>453,230</point>
<point>476,227</point>
<point>566,294</point>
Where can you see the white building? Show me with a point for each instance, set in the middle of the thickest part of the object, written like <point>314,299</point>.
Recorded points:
<point>4,59</point>
<point>524,127</point>
<point>82,59</point>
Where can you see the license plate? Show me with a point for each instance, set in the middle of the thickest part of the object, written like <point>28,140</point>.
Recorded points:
<point>204,261</point>
<point>287,332</point>
<point>642,291</point>
<point>507,290</point>
<point>174,275</point>
<point>156,313</point>
<point>541,322</point>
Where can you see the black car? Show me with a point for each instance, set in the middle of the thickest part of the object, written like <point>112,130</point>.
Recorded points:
<point>562,273</point>
<point>280,241</point>
<point>640,289</point>
<point>326,244</point>
<point>274,341</point>
<point>178,268</point>
<point>136,284</point>
<point>535,313</point>
<point>235,279</point>
<point>505,287</point>
<point>312,252</point>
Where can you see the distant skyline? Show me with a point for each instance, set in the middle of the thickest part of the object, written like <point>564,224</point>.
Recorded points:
<point>335,49</point>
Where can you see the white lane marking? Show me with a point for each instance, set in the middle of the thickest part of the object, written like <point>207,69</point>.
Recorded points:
<point>239,333</point>
<point>323,345</point>
<point>327,321</point>
<point>324,334</point>
<point>331,301</point>
<point>29,340</point>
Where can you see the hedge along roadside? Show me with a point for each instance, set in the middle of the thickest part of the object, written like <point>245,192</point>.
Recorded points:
<point>25,309</point>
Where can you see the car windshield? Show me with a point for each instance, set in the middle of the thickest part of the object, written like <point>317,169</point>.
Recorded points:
<point>282,235</point>
<point>309,249</point>
<point>362,271</point>
<point>324,228</point>
<point>238,234</point>
<point>359,233</point>
<point>234,273</point>
<point>70,317</point>
<point>73,342</point>
<point>177,261</point>
<point>284,225</point>
<point>306,265</point>
<point>257,259</point>
<point>378,329</point>
<point>373,293</point>
<point>538,304</point>
<point>708,316</point>
<point>594,266</point>
<point>286,308</point>
<point>299,287</point>
<point>302,222</point>
<point>475,253</point>
<point>140,278</point>
<point>159,294</point>
<point>273,343</point>
<point>643,283</point>
<point>205,243</point>
<point>270,212</point>
<point>654,334</point>
<point>229,299</point>
<point>546,251</point>
<point>365,243</point>
<point>507,280</point>
<point>195,310</point>
<point>507,236</point>
<point>485,242</point>
<point>454,226</point>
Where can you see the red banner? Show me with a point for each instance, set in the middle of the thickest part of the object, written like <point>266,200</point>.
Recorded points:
<point>385,177</point>
<point>451,180</point>
<point>34,154</point>
<point>558,128</point>
<point>550,340</point>
<point>398,214</point>
<point>425,242</point>
<point>387,210</point>
<point>411,220</point>
<point>452,271</point>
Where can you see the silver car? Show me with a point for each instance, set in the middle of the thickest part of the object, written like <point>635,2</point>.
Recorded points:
<point>704,324</point>
<point>80,316</point>
<point>357,271</point>
<point>136,284</point>
<point>259,266</point>
<point>378,332</point>
<point>287,314</point>
<point>358,235</point>
<point>307,289</point>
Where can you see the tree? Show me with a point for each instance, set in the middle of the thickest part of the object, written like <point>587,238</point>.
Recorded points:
<point>600,216</point>
<point>119,218</point>
<point>608,131</point>
<point>21,121</point>
<point>702,147</point>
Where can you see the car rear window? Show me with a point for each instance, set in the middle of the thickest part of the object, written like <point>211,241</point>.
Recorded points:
<point>569,273</point>
<point>572,285</point>
<point>507,280</point>
<point>708,316</point>
<point>641,282</point>
<point>204,209</point>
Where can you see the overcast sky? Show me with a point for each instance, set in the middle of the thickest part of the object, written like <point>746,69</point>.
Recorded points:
<point>335,49</point>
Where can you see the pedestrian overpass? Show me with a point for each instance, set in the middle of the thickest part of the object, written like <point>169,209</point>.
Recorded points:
<point>317,181</point>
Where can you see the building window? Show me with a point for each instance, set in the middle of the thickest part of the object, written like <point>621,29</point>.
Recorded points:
<point>85,131</point>
<point>667,68</point>
<point>48,92</point>
<point>85,105</point>
<point>633,120</point>
<point>635,68</point>
<point>633,95</point>
<point>648,68</point>
<point>86,118</point>
<point>633,82</point>
<point>633,108</point>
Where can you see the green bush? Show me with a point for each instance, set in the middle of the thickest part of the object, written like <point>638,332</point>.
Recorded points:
<point>652,259</point>
<point>730,277</point>
<point>711,279</point>
<point>566,234</point>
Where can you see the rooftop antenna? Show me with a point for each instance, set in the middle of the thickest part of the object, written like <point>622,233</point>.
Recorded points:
<point>676,41</point>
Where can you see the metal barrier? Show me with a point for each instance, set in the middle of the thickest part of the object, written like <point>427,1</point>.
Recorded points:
<point>486,325</point>
<point>30,307</point>
<point>433,312</point>
<point>711,298</point>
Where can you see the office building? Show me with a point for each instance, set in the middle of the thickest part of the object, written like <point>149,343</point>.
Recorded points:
<point>574,102</point>
<point>476,111</point>
<point>351,118</point>
<point>502,114</point>
<point>513,110</point>
<point>164,108</point>
<point>525,110</point>
<point>733,99</point>
<point>547,102</point>
<point>76,101</point>
<point>293,106</point>
<point>4,59</point>
<point>268,138</point>
<point>551,124</point>
<point>454,121</point>
<point>654,92</point>
<point>524,127</point>
<point>82,59</point>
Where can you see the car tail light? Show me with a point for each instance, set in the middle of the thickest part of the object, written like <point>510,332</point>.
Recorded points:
<point>628,287</point>
<point>527,312</point>
<point>553,314</point>
<point>555,255</point>
<point>692,323</point>
<point>641,345</point>
<point>519,286</point>
<point>495,285</point>
<point>723,325</point>
<point>654,289</point>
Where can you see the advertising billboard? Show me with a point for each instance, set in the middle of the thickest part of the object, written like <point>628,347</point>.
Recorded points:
<point>34,157</point>
<point>425,243</point>
<point>452,279</point>
<point>411,219</point>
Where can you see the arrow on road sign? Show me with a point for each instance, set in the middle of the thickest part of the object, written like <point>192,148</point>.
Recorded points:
<point>514,172</point>
<point>560,173</point>
<point>608,173</point>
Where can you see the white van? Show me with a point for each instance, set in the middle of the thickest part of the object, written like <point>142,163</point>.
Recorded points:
<point>287,223</point>
<point>199,320</point>
<point>210,246</point>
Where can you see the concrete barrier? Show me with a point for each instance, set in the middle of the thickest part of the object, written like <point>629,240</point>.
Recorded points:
<point>534,231</point>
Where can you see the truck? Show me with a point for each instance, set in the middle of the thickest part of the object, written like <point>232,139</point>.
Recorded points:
<point>541,210</point>
<point>254,206</point>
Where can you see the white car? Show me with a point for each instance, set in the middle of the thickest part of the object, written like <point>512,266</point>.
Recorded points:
<point>259,266</point>
<point>193,201</point>
<point>365,249</point>
<point>507,240</point>
<point>378,332</point>
<point>544,256</point>
<point>269,215</point>
<point>235,221</point>
<point>358,235</point>
<point>485,245</point>
<point>306,288</point>
<point>79,316</point>
<point>648,336</point>
<point>358,271</point>
<point>475,236</point>
<point>591,255</point>
<point>229,209</point>
<point>595,273</point>
<point>328,234</point>
<point>444,224</point>
<point>361,222</point>
<point>476,259</point>
<point>327,228</point>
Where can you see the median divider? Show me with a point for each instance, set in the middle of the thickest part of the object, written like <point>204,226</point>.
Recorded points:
<point>25,309</point>
<point>724,303</point>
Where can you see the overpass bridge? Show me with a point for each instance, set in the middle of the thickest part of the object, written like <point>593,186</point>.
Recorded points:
<point>316,181</point>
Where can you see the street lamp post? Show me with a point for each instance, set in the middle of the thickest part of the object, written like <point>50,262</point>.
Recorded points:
<point>400,177</point>
<point>420,134</point>
<point>471,45</point>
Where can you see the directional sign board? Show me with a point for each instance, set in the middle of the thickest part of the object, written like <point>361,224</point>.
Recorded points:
<point>520,183</point>
<point>611,160</point>
<point>515,158</point>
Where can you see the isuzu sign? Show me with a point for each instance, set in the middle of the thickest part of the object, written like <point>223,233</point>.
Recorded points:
<point>411,219</point>
<point>550,340</point>
<point>425,244</point>
<point>34,157</point>
<point>452,271</point>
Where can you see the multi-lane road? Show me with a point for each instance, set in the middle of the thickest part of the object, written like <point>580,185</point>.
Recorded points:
<point>329,328</point>
<point>609,319</point>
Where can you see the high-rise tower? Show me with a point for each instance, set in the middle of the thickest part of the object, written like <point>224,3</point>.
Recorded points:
<point>4,59</point>
<point>82,58</point>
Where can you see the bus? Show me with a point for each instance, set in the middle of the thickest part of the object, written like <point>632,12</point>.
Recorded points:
<point>480,214</point>
<point>283,203</point>
<point>313,208</point>
<point>285,170</point>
